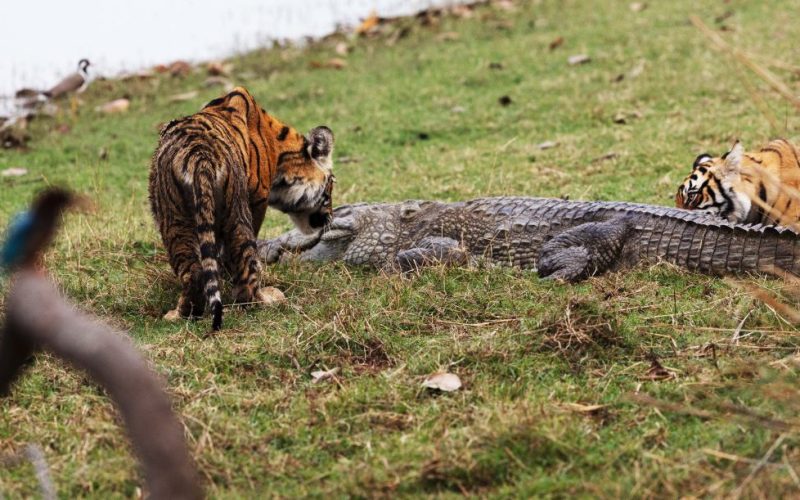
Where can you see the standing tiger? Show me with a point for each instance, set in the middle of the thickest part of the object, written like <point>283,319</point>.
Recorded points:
<point>749,187</point>
<point>211,179</point>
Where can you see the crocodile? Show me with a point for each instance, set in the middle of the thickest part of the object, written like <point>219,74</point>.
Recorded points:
<point>560,239</point>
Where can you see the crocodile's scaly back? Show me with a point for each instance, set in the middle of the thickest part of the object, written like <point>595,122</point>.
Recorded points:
<point>560,238</point>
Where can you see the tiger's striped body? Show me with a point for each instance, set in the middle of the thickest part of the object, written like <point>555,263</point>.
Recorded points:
<point>211,179</point>
<point>746,187</point>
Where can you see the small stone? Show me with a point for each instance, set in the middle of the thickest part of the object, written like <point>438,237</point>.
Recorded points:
<point>547,145</point>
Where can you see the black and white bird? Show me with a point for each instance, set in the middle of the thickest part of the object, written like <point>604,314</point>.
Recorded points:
<point>76,82</point>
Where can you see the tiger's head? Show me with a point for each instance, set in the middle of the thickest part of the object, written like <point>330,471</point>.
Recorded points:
<point>714,185</point>
<point>303,183</point>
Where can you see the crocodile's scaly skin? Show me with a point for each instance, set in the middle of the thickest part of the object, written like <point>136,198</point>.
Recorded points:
<point>562,239</point>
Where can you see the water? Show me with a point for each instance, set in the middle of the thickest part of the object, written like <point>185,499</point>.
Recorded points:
<point>43,40</point>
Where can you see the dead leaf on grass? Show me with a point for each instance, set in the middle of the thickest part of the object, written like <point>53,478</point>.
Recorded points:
<point>323,375</point>
<point>116,106</point>
<point>578,59</point>
<point>558,42</point>
<point>443,381</point>
<point>14,172</point>
<point>547,145</point>
<point>186,96</point>
<point>368,25</point>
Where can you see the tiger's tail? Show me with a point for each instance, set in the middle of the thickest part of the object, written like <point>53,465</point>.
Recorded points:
<point>206,238</point>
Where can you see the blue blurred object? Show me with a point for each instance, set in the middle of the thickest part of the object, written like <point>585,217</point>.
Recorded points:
<point>17,237</point>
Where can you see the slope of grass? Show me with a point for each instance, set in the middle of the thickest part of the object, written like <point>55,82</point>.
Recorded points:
<point>628,384</point>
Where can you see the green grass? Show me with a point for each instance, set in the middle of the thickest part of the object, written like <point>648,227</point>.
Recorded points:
<point>528,351</point>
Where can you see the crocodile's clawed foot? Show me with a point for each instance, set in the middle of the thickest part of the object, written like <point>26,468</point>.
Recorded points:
<point>431,251</point>
<point>583,251</point>
<point>270,251</point>
<point>565,264</point>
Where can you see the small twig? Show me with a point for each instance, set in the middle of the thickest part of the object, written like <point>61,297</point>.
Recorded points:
<point>738,330</point>
<point>758,466</point>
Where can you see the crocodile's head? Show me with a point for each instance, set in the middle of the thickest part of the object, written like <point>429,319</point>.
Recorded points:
<point>358,234</point>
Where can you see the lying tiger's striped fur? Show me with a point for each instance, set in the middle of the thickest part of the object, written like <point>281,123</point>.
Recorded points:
<point>746,186</point>
<point>211,179</point>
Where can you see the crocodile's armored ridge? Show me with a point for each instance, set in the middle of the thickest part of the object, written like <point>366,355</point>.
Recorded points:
<point>561,239</point>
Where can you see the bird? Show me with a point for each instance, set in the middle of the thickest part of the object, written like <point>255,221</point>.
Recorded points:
<point>75,82</point>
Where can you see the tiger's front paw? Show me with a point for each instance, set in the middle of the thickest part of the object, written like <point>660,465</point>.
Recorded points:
<point>270,296</point>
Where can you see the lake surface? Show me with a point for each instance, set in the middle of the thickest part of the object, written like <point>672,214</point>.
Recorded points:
<point>45,39</point>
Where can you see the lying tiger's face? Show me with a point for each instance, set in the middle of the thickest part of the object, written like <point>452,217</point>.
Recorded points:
<point>701,189</point>
<point>303,185</point>
<point>711,185</point>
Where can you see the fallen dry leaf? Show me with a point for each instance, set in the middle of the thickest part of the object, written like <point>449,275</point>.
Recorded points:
<point>14,172</point>
<point>446,382</point>
<point>333,63</point>
<point>342,48</point>
<point>219,68</point>
<point>179,68</point>
<point>506,5</point>
<point>578,59</point>
<point>186,96</point>
<point>657,371</point>
<point>368,24</point>
<point>115,106</point>
<point>323,375</point>
<point>558,42</point>
<point>463,11</point>
<point>547,145</point>
<point>581,408</point>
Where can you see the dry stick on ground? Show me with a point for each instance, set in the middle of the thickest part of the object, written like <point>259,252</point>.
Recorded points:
<point>37,317</point>
<point>772,80</point>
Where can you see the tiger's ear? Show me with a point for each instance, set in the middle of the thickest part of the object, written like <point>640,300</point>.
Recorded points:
<point>732,161</point>
<point>320,141</point>
<point>700,159</point>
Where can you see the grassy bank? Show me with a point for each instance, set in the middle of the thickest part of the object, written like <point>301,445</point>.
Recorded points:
<point>628,384</point>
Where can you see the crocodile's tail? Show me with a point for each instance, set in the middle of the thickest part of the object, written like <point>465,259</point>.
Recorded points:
<point>725,248</point>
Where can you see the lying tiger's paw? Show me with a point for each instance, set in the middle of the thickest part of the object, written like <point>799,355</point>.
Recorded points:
<point>172,315</point>
<point>270,296</point>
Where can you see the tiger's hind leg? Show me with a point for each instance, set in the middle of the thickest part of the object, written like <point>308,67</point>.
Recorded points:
<point>243,262</point>
<point>181,243</point>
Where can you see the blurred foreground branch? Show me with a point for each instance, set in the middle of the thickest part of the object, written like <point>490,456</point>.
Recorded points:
<point>38,318</point>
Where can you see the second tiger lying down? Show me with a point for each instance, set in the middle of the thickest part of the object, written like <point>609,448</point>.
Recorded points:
<point>211,179</point>
<point>757,186</point>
